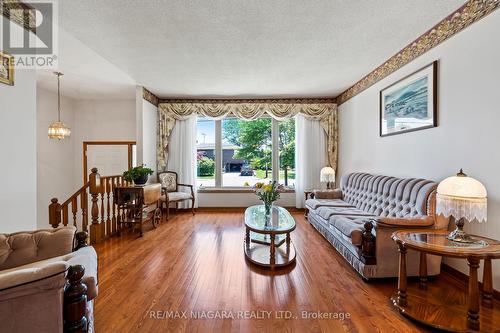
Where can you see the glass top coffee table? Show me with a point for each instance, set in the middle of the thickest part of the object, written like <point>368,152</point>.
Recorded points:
<point>267,238</point>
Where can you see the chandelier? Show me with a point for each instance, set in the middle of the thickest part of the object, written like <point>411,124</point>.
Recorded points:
<point>57,130</point>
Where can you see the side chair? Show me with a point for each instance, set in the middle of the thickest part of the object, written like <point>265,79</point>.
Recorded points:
<point>170,191</point>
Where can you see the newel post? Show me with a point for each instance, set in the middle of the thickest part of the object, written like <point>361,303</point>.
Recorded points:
<point>54,213</point>
<point>94,189</point>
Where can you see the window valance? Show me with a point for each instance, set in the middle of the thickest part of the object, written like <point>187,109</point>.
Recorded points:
<point>248,109</point>
<point>169,111</point>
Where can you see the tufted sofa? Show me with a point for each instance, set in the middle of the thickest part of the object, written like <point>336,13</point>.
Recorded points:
<point>359,218</point>
<point>34,270</point>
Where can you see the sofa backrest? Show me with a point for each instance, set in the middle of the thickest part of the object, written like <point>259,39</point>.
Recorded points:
<point>389,196</point>
<point>25,247</point>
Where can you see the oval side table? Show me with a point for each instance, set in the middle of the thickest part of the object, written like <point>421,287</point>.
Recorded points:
<point>439,315</point>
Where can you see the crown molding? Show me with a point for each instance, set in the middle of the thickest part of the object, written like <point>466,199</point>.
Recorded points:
<point>472,11</point>
<point>150,97</point>
<point>251,101</point>
<point>28,24</point>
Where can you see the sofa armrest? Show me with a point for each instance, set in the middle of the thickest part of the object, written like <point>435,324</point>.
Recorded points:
<point>25,277</point>
<point>405,222</point>
<point>327,194</point>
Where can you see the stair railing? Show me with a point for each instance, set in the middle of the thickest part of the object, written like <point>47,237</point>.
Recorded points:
<point>97,194</point>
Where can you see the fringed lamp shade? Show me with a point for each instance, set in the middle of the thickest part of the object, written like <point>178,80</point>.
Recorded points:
<point>327,176</point>
<point>57,130</point>
<point>463,198</point>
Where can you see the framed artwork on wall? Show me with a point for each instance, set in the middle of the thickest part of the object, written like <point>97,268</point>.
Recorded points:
<point>6,69</point>
<point>410,104</point>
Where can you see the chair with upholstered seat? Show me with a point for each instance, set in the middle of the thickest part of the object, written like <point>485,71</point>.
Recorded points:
<point>170,191</point>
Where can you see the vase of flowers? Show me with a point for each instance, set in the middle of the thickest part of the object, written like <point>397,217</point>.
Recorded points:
<point>268,193</point>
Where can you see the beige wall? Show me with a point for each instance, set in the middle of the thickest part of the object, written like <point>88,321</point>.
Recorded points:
<point>469,118</point>
<point>55,166</point>
<point>18,141</point>
<point>59,163</point>
<point>101,120</point>
<point>149,124</point>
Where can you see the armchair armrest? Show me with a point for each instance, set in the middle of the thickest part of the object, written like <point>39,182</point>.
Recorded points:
<point>26,276</point>
<point>327,194</point>
<point>187,185</point>
<point>405,222</point>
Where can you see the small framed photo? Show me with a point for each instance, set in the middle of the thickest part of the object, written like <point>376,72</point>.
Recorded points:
<point>410,104</point>
<point>6,69</point>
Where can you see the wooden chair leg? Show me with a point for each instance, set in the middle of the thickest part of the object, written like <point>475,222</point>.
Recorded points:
<point>168,209</point>
<point>192,206</point>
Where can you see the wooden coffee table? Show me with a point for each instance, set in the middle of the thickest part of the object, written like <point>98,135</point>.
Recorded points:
<point>267,239</point>
<point>438,312</point>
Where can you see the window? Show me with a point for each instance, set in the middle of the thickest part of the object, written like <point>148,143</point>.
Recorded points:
<point>246,151</point>
<point>238,153</point>
<point>286,142</point>
<point>205,150</point>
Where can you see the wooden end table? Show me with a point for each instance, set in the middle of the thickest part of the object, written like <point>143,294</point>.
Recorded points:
<point>435,243</point>
<point>264,236</point>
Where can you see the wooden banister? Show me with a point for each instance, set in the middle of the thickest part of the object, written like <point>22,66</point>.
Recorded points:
<point>75,210</point>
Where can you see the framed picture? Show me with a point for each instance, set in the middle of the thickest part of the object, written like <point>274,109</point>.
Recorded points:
<point>6,69</point>
<point>410,104</point>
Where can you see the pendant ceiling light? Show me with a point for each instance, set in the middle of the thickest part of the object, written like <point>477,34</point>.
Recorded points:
<point>57,130</point>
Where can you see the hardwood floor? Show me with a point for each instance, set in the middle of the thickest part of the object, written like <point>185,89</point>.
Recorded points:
<point>196,264</point>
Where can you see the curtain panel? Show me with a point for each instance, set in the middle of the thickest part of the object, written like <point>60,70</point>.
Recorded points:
<point>170,111</point>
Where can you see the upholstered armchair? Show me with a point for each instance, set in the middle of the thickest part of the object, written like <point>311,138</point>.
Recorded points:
<point>170,191</point>
<point>48,280</point>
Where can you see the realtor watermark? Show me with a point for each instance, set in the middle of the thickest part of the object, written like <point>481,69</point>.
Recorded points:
<point>30,33</point>
<point>246,315</point>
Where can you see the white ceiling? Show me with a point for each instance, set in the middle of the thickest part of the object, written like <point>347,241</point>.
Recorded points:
<point>245,48</point>
<point>87,75</point>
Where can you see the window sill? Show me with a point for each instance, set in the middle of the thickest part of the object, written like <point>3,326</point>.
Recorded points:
<point>234,190</point>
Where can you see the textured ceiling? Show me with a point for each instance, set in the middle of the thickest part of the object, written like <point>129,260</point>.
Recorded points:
<point>248,48</point>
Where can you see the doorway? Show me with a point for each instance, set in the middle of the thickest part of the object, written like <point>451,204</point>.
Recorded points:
<point>111,158</point>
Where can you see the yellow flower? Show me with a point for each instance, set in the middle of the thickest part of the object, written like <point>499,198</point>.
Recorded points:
<point>267,187</point>
<point>259,185</point>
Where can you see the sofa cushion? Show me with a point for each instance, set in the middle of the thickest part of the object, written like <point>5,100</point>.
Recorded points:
<point>327,212</point>
<point>350,226</point>
<point>24,247</point>
<point>316,203</point>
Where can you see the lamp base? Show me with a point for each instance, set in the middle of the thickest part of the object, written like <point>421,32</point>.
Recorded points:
<point>460,236</point>
<point>330,185</point>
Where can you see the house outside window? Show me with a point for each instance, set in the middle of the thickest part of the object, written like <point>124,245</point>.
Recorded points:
<point>234,153</point>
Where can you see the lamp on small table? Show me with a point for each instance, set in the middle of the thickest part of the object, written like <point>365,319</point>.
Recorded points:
<point>464,199</point>
<point>328,177</point>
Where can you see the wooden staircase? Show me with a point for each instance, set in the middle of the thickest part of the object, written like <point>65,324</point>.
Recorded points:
<point>98,194</point>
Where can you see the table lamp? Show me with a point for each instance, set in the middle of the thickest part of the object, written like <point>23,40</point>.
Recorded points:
<point>328,176</point>
<point>464,199</point>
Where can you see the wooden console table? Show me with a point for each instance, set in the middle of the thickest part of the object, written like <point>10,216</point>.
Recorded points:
<point>138,205</point>
<point>421,308</point>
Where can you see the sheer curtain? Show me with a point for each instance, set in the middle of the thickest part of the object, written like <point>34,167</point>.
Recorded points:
<point>310,156</point>
<point>182,155</point>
